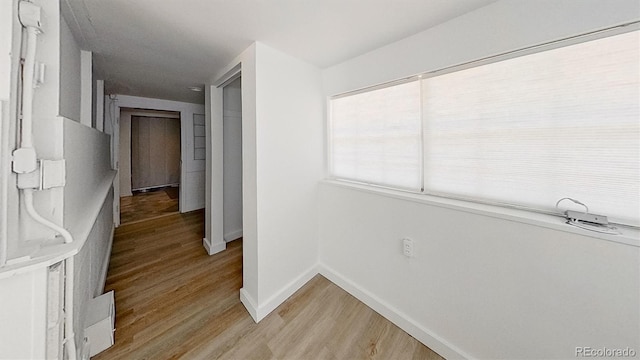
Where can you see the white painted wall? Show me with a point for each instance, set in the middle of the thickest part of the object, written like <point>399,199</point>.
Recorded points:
<point>480,286</point>
<point>232,160</point>
<point>289,108</point>
<point>213,240</point>
<point>6,26</point>
<point>88,212</point>
<point>88,169</point>
<point>71,74</point>
<point>282,164</point>
<point>23,314</point>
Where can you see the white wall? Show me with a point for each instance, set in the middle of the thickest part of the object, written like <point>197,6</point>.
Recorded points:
<point>289,148</point>
<point>23,314</point>
<point>6,25</point>
<point>70,74</point>
<point>282,164</point>
<point>88,171</point>
<point>232,94</point>
<point>480,286</point>
<point>91,266</point>
<point>88,212</point>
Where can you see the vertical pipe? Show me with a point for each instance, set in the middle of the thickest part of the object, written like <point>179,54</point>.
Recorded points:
<point>4,174</point>
<point>69,334</point>
<point>26,139</point>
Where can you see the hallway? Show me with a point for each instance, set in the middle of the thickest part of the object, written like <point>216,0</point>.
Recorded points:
<point>175,301</point>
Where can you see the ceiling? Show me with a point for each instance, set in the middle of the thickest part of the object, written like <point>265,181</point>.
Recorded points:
<point>160,48</point>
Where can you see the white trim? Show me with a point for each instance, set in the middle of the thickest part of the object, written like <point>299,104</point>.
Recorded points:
<point>403,321</point>
<point>213,248</point>
<point>86,84</point>
<point>232,113</point>
<point>100,105</point>
<point>249,304</point>
<point>630,236</point>
<point>152,113</point>
<point>281,296</point>
<point>233,235</point>
<point>229,76</point>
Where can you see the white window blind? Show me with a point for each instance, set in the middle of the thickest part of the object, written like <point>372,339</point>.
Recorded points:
<point>533,129</point>
<point>375,137</point>
<point>525,131</point>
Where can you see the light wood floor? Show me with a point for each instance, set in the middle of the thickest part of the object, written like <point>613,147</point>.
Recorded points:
<point>148,205</point>
<point>173,301</point>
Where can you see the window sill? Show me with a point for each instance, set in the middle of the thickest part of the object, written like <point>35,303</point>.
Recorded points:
<point>630,236</point>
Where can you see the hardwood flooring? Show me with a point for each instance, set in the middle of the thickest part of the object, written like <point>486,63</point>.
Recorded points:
<point>173,301</point>
<point>148,205</point>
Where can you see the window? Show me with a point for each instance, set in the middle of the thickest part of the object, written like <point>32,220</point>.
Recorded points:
<point>376,137</point>
<point>524,131</point>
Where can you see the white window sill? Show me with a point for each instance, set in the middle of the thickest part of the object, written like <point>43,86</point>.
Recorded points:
<point>629,236</point>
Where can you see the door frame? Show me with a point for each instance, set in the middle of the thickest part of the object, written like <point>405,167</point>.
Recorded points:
<point>112,123</point>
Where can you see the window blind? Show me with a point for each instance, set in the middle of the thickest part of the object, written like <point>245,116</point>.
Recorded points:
<point>375,137</point>
<point>525,131</point>
<point>533,129</point>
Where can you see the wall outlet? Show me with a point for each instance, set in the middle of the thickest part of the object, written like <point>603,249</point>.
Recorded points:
<point>407,247</point>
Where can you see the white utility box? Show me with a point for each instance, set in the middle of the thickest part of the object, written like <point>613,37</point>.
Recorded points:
<point>100,323</point>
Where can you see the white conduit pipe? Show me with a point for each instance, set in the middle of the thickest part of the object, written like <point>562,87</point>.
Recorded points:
<point>28,202</point>
<point>27,142</point>
<point>27,89</point>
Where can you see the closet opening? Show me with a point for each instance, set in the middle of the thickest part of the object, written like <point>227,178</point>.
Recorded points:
<point>149,164</point>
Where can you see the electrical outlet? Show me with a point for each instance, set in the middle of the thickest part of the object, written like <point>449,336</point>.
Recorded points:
<point>407,247</point>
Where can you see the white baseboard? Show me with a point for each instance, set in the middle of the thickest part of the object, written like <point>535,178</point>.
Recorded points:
<point>233,235</point>
<point>425,336</point>
<point>249,304</point>
<point>105,264</point>
<point>213,248</point>
<point>260,312</point>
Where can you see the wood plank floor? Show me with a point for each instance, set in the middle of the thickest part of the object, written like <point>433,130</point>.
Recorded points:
<point>173,301</point>
<point>148,205</point>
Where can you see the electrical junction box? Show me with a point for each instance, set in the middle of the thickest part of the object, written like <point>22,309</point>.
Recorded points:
<point>101,316</point>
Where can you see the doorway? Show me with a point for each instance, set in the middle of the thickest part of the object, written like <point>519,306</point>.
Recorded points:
<point>232,160</point>
<point>149,164</point>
